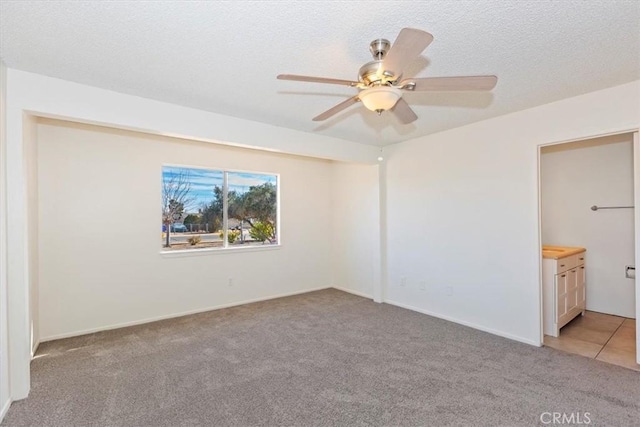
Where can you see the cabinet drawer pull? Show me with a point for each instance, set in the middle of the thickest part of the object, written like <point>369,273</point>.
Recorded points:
<point>581,268</point>
<point>564,275</point>
<point>573,271</point>
<point>581,259</point>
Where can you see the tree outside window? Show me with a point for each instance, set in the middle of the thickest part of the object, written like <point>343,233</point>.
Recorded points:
<point>198,203</point>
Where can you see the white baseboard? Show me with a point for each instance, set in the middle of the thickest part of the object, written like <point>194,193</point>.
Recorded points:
<point>351,291</point>
<point>464,323</point>
<point>234,304</point>
<point>4,409</point>
<point>173,315</point>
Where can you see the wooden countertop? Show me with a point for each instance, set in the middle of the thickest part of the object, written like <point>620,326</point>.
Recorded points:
<point>557,252</point>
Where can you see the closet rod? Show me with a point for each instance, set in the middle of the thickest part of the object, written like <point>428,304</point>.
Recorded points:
<point>595,208</point>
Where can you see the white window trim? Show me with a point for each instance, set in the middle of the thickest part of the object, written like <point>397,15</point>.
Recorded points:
<point>179,253</point>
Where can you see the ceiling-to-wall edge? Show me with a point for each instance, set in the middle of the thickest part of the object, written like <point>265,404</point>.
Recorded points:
<point>55,98</point>
<point>535,125</point>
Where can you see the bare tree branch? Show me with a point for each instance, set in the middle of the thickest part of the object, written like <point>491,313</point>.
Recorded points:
<point>176,198</point>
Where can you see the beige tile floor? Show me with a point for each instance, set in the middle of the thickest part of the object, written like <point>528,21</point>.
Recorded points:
<point>604,337</point>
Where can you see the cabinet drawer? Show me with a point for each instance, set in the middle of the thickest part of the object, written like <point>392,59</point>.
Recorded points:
<point>581,258</point>
<point>566,263</point>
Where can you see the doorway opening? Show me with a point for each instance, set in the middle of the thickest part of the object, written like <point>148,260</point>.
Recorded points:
<point>588,235</point>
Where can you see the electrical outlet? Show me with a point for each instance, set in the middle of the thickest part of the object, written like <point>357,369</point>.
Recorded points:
<point>448,290</point>
<point>629,271</point>
<point>423,286</point>
<point>403,281</point>
<point>230,281</point>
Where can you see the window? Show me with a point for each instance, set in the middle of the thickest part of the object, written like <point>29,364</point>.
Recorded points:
<point>205,208</point>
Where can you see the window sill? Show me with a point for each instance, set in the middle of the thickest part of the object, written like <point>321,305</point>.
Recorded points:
<point>217,251</point>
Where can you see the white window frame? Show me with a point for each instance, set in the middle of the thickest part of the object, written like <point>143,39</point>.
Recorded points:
<point>225,215</point>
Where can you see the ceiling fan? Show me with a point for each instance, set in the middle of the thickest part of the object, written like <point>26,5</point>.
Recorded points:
<point>380,81</point>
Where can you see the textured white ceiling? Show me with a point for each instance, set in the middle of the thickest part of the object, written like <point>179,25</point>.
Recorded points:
<point>224,56</point>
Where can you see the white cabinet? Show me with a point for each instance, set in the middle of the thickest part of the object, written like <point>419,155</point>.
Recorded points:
<point>564,293</point>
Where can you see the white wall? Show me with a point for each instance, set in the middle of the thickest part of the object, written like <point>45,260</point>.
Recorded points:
<point>574,177</point>
<point>32,94</point>
<point>355,229</point>
<point>5,399</point>
<point>462,211</point>
<point>100,261</point>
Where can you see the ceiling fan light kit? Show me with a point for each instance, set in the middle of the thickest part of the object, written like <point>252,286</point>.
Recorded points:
<point>379,80</point>
<point>380,98</point>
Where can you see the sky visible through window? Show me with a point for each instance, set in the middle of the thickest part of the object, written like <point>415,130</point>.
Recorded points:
<point>204,180</point>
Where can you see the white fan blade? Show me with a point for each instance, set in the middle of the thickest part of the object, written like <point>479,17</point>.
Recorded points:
<point>331,111</point>
<point>312,79</point>
<point>451,83</point>
<point>408,45</point>
<point>403,112</point>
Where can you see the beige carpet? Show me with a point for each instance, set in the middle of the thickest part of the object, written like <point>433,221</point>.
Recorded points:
<point>326,358</point>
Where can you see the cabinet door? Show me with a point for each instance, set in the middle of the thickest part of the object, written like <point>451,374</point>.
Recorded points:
<point>572,289</point>
<point>561,295</point>
<point>582,291</point>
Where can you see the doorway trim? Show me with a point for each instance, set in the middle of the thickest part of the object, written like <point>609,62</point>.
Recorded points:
<point>636,190</point>
<point>636,216</point>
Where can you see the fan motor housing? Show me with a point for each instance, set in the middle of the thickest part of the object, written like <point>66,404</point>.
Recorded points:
<point>372,73</point>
